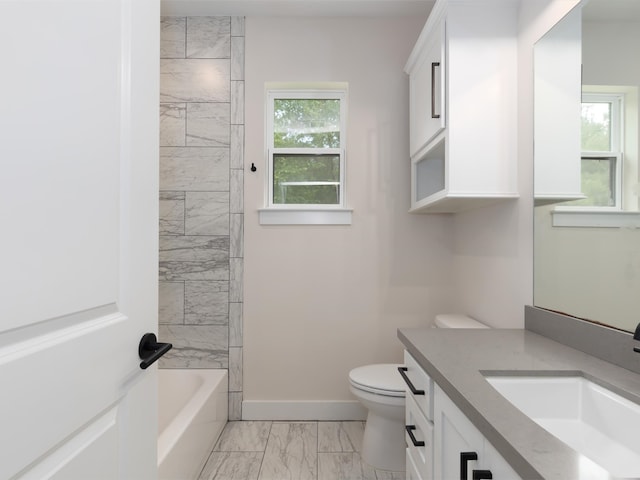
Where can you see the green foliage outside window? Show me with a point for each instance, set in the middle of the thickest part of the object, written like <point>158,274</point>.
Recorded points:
<point>312,178</point>
<point>597,173</point>
<point>306,123</point>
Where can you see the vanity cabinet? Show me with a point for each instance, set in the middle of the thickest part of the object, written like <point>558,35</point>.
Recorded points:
<point>418,420</point>
<point>438,434</point>
<point>460,447</point>
<point>463,98</point>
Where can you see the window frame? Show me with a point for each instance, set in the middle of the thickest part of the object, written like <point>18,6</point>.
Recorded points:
<point>616,129</point>
<point>606,217</point>
<point>282,213</point>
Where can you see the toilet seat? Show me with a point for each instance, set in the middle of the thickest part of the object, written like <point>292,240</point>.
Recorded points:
<point>380,379</point>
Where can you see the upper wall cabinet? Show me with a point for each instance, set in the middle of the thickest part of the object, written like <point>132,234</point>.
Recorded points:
<point>463,106</point>
<point>426,86</point>
<point>557,99</point>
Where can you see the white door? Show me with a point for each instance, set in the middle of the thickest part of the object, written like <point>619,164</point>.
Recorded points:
<point>78,245</point>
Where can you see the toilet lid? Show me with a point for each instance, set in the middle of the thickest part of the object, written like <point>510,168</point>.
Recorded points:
<point>383,379</point>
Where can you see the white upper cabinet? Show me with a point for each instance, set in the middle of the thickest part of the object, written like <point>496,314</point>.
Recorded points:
<point>557,99</point>
<point>427,93</point>
<point>463,106</point>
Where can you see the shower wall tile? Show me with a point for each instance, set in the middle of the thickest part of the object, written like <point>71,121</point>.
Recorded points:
<point>198,346</point>
<point>235,279</point>
<point>173,124</point>
<point>207,213</point>
<point>201,195</point>
<point>235,369</point>
<point>172,213</point>
<point>193,270</point>
<point>237,27</point>
<point>171,302</point>
<point>194,169</point>
<point>237,102</point>
<point>235,406</point>
<point>235,324</point>
<point>194,80</point>
<point>236,245</point>
<point>172,37</point>
<point>208,124</point>
<point>237,58</point>
<point>206,303</point>
<point>236,190</point>
<point>194,258</point>
<point>203,248</point>
<point>208,37</point>
<point>236,151</point>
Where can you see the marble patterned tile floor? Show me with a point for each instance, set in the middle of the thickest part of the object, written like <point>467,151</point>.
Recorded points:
<point>252,450</point>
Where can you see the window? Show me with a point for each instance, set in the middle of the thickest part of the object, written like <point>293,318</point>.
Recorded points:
<point>601,144</point>
<point>305,146</point>
<point>610,167</point>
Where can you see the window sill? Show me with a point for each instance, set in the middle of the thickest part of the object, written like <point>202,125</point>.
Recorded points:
<point>591,218</point>
<point>289,216</point>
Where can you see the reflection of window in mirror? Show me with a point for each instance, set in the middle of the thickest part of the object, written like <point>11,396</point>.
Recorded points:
<point>606,157</point>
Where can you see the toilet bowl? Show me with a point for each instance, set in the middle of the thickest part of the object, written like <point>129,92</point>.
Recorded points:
<point>381,389</point>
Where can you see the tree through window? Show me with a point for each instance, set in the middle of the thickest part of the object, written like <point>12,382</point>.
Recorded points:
<point>306,139</point>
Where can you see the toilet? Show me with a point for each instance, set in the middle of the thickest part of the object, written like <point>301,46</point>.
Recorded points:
<point>381,389</point>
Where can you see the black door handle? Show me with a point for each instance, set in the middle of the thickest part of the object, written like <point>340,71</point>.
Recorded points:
<point>464,458</point>
<point>482,474</point>
<point>413,389</point>
<point>150,350</point>
<point>414,440</point>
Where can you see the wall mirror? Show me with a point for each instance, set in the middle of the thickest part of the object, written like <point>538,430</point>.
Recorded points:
<point>587,181</point>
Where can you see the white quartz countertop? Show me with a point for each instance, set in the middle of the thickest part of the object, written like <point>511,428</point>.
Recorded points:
<point>458,360</point>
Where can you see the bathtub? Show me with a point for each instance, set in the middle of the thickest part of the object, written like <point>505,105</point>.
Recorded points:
<point>192,411</point>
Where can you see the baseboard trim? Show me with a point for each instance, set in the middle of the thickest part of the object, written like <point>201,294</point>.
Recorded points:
<point>303,410</point>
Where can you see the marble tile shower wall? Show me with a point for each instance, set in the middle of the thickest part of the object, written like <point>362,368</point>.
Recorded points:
<point>201,192</point>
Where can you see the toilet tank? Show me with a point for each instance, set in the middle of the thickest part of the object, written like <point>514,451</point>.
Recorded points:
<point>455,320</point>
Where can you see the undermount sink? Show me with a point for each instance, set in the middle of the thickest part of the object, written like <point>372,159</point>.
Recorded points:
<point>596,422</point>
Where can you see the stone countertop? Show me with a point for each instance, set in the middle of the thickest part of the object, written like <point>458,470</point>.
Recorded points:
<point>456,359</point>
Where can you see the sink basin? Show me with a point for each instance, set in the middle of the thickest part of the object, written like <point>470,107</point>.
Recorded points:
<point>596,422</point>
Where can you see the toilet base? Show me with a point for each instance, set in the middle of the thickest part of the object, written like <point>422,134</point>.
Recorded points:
<point>383,445</point>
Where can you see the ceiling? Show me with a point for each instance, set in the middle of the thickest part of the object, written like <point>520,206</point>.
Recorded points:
<point>326,8</point>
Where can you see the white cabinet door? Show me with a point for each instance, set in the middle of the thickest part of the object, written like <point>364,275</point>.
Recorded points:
<point>78,152</point>
<point>426,87</point>
<point>459,445</point>
<point>454,436</point>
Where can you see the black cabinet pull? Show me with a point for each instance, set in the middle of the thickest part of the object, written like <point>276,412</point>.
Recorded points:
<point>433,89</point>
<point>413,389</point>
<point>464,458</point>
<point>150,350</point>
<point>482,474</point>
<point>416,442</point>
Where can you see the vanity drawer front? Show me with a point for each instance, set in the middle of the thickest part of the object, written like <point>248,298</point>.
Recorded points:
<point>419,438</point>
<point>422,382</point>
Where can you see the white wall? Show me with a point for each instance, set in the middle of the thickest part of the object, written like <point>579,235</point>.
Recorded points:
<point>493,246</point>
<point>321,300</point>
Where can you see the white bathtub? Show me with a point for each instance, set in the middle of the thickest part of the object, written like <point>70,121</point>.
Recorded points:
<point>192,411</point>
